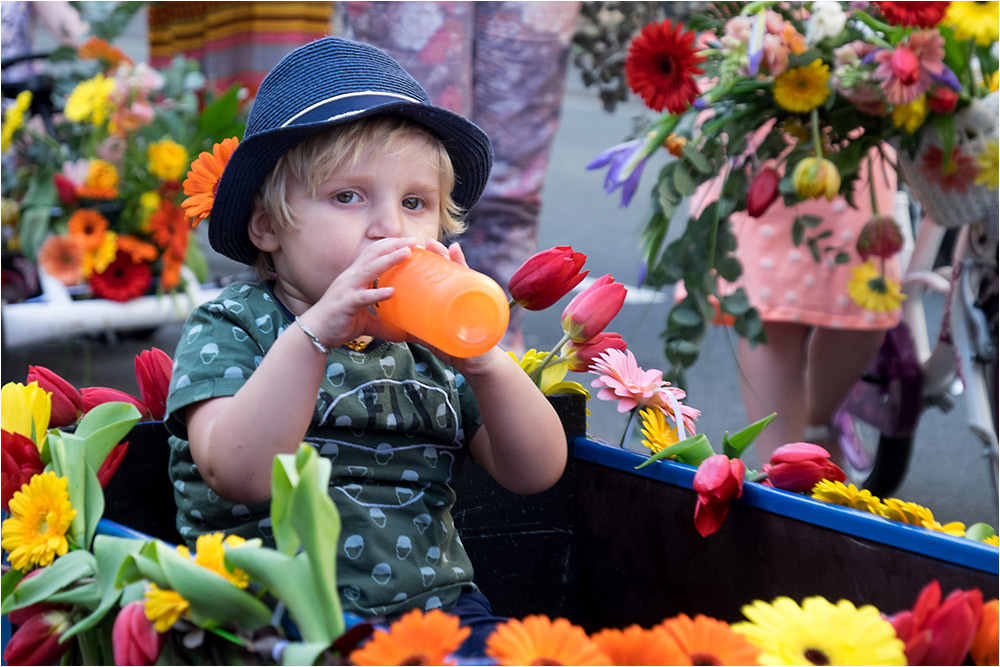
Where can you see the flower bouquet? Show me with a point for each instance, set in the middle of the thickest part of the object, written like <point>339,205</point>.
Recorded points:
<point>92,195</point>
<point>800,101</point>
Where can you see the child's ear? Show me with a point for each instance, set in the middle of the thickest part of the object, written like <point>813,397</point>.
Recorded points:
<point>261,230</point>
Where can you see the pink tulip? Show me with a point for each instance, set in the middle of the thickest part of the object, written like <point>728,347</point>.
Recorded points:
<point>94,396</point>
<point>153,369</point>
<point>36,641</point>
<point>799,466</point>
<point>579,356</point>
<point>717,481</point>
<point>592,309</point>
<point>20,463</point>
<point>942,99</point>
<point>134,639</point>
<point>67,404</point>
<point>905,65</point>
<point>762,192</point>
<point>880,237</point>
<point>547,277</point>
<point>111,463</point>
<point>939,633</point>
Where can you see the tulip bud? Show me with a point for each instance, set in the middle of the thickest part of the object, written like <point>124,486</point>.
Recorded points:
<point>133,638</point>
<point>153,369</point>
<point>20,462</point>
<point>942,99</point>
<point>64,188</point>
<point>905,65</point>
<point>94,396</point>
<point>111,462</point>
<point>579,355</point>
<point>36,642</point>
<point>67,404</point>
<point>880,237</point>
<point>592,309</point>
<point>762,192</point>
<point>986,646</point>
<point>799,466</point>
<point>547,277</point>
<point>815,177</point>
<point>717,480</point>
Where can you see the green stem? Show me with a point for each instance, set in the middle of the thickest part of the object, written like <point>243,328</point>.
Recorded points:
<point>875,25</point>
<point>871,187</point>
<point>817,144</point>
<point>511,303</point>
<point>627,434</point>
<point>536,374</point>
<point>228,635</point>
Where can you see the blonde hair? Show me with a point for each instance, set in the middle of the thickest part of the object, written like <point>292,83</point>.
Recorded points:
<point>315,159</point>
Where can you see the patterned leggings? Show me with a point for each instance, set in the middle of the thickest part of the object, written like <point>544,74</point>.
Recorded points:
<point>503,66</point>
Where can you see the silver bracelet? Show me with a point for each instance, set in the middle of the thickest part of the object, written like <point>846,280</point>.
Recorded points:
<point>312,337</point>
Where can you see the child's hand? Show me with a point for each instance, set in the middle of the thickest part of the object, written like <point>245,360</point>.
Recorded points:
<point>342,313</point>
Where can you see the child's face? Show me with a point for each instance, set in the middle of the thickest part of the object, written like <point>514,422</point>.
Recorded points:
<point>382,196</point>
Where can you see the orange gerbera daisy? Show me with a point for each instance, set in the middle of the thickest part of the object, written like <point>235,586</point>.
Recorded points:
<point>61,256</point>
<point>137,249</point>
<point>203,179</point>
<point>539,640</point>
<point>88,227</point>
<point>169,227</point>
<point>96,48</point>
<point>636,646</point>
<point>415,639</point>
<point>707,641</point>
<point>170,273</point>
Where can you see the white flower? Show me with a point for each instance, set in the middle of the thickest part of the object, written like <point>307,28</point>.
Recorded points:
<point>828,20</point>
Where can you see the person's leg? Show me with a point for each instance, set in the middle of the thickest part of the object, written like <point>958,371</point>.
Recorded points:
<point>836,358</point>
<point>522,50</point>
<point>772,379</point>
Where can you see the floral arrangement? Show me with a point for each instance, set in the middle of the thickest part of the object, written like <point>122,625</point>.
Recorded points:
<point>792,100</point>
<point>75,594</point>
<point>95,200</point>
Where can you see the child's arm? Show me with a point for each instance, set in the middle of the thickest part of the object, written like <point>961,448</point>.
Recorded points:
<point>521,443</point>
<point>234,439</point>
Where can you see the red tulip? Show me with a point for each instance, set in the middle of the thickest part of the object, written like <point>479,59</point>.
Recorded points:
<point>111,463</point>
<point>763,191</point>
<point>592,309</point>
<point>64,188</point>
<point>905,65</point>
<point>986,646</point>
<point>547,277</point>
<point>153,369</point>
<point>36,642</point>
<point>94,396</point>
<point>942,99</point>
<point>799,466</point>
<point>939,633</point>
<point>67,404</point>
<point>20,462</point>
<point>579,355</point>
<point>134,639</point>
<point>880,237</point>
<point>717,480</point>
<point>19,617</point>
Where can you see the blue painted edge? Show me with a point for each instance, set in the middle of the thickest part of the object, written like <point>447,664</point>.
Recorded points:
<point>115,529</point>
<point>954,550</point>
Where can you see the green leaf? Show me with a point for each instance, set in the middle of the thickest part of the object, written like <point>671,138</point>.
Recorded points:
<point>110,553</point>
<point>284,476</point>
<point>683,181</point>
<point>696,445</point>
<point>684,317</point>
<point>31,230</point>
<point>734,445</point>
<point>842,258</point>
<point>103,427</point>
<point>196,261</point>
<point>63,573</point>
<point>735,303</point>
<point>696,159</point>
<point>299,653</point>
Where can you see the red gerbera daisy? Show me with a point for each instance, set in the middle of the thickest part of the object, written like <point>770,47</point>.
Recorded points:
<point>957,175</point>
<point>918,14</point>
<point>122,280</point>
<point>661,65</point>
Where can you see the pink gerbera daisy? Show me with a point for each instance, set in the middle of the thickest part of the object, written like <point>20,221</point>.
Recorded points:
<point>669,400</point>
<point>908,71</point>
<point>623,380</point>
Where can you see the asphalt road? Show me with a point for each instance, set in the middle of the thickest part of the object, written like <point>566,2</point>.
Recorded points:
<point>947,473</point>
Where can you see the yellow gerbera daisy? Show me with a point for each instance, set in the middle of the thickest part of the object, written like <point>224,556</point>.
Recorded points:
<point>26,409</point>
<point>820,633</point>
<point>102,175</point>
<point>910,116</point>
<point>802,89</point>
<point>211,555</point>
<point>846,495</point>
<point>99,259</point>
<point>976,20</point>
<point>163,608</point>
<point>552,379</point>
<point>873,291</point>
<point>992,540</point>
<point>13,119</point>
<point>41,514</point>
<point>655,427</point>
<point>89,100</point>
<point>989,165</point>
<point>167,159</point>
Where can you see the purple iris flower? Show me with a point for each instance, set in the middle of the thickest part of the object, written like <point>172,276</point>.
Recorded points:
<point>948,78</point>
<point>626,167</point>
<point>755,49</point>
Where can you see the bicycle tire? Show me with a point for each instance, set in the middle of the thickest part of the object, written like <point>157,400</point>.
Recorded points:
<point>891,464</point>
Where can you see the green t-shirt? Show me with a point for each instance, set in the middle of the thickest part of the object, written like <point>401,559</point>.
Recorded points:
<point>392,419</point>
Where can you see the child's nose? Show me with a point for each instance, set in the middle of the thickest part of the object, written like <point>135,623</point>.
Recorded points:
<point>387,222</point>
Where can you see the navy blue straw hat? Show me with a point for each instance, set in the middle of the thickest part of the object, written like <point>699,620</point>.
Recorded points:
<point>317,86</point>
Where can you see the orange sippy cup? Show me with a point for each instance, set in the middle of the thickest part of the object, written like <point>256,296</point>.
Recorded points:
<point>457,310</point>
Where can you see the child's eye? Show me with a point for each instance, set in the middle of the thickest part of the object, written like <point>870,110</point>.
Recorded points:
<point>346,197</point>
<point>413,203</point>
